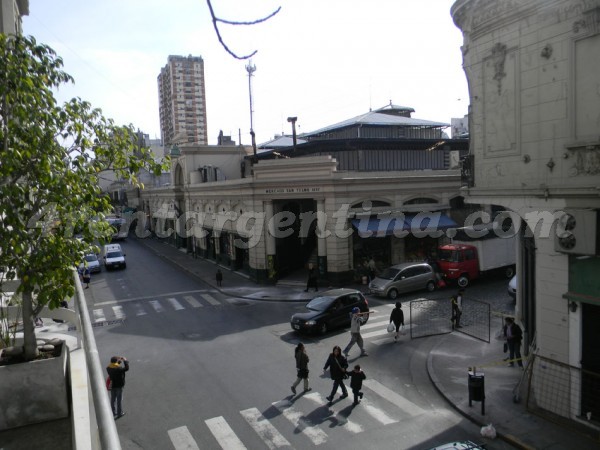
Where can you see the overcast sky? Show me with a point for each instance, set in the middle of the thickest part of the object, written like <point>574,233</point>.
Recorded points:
<point>323,61</point>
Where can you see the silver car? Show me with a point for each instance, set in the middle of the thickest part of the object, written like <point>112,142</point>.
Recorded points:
<point>401,278</point>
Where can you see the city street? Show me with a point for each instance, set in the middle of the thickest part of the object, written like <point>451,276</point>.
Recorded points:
<point>210,371</point>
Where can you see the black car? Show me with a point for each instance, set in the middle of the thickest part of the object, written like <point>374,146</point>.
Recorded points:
<point>330,310</point>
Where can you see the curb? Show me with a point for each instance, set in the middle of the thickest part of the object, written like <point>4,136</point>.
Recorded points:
<point>222,291</point>
<point>509,438</point>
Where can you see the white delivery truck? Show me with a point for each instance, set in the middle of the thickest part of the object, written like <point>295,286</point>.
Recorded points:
<point>114,257</point>
<point>473,252</point>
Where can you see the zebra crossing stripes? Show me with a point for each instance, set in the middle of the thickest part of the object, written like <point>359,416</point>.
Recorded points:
<point>156,305</point>
<point>224,435</point>
<point>340,419</point>
<point>182,439</point>
<point>210,299</point>
<point>297,418</point>
<point>139,309</point>
<point>267,432</point>
<point>192,301</point>
<point>385,392</point>
<point>118,312</point>
<point>175,304</point>
<point>99,315</point>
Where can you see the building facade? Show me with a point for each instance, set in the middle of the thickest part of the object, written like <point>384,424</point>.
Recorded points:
<point>331,201</point>
<point>533,71</point>
<point>182,101</point>
<point>11,12</point>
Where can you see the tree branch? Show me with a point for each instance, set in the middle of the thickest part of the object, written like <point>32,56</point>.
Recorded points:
<point>216,19</point>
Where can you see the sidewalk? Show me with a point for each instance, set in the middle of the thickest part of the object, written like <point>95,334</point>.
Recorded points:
<point>447,364</point>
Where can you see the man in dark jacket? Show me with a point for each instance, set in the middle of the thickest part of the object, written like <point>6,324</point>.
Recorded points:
<point>514,336</point>
<point>116,371</point>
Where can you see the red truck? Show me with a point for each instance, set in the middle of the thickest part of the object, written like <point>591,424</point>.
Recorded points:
<point>464,260</point>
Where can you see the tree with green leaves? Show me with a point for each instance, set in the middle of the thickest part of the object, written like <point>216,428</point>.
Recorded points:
<point>51,158</point>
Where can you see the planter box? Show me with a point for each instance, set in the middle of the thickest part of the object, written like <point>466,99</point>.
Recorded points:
<point>34,391</point>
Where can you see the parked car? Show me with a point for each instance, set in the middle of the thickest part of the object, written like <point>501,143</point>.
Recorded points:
<point>92,263</point>
<point>402,278</point>
<point>329,310</point>
<point>512,287</point>
<point>462,445</point>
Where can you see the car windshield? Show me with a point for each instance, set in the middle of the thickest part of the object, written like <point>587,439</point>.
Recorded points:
<point>91,258</point>
<point>319,303</point>
<point>113,254</point>
<point>448,255</point>
<point>389,274</point>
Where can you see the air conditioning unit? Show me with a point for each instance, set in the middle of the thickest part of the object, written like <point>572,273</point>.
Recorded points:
<point>577,232</point>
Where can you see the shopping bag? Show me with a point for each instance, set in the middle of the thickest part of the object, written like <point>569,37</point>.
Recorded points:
<point>108,383</point>
<point>391,327</point>
<point>488,431</point>
<point>402,330</point>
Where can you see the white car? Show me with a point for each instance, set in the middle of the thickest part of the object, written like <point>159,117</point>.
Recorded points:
<point>512,287</point>
<point>92,263</point>
<point>462,445</point>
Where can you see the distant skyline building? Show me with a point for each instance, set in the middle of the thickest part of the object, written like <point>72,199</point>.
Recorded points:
<point>182,101</point>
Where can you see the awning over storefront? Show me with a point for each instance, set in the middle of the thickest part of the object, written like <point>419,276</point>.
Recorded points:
<point>417,224</point>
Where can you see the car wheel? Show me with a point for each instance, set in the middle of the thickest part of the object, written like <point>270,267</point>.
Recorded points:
<point>509,272</point>
<point>124,266</point>
<point>393,294</point>
<point>463,281</point>
<point>430,286</point>
<point>323,328</point>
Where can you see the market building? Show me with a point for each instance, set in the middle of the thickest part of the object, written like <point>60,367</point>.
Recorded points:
<point>382,185</point>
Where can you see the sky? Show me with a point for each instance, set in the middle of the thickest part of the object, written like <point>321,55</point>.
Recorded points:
<point>323,61</point>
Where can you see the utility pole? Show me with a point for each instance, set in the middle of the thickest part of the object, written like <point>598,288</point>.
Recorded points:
<point>251,68</point>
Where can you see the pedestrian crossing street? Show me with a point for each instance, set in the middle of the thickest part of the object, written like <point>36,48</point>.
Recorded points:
<point>305,419</point>
<point>119,311</point>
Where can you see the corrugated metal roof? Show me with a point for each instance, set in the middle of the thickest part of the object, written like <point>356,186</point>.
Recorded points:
<point>281,142</point>
<point>380,118</point>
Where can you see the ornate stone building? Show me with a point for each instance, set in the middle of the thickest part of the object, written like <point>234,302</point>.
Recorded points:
<point>533,69</point>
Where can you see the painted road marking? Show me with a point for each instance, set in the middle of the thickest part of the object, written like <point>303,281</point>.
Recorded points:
<point>210,299</point>
<point>267,432</point>
<point>224,435</point>
<point>182,439</point>
<point>316,435</point>
<point>192,301</point>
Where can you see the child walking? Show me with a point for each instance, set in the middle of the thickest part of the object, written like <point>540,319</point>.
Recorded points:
<point>356,378</point>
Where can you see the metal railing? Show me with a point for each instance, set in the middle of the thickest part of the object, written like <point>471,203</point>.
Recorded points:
<point>107,430</point>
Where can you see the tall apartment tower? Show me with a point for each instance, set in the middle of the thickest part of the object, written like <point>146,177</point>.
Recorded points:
<point>182,102</point>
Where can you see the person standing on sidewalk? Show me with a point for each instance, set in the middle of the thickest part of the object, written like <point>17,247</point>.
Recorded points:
<point>397,316</point>
<point>302,367</point>
<point>356,378</point>
<point>355,337</point>
<point>456,311</point>
<point>116,371</point>
<point>312,278</point>
<point>514,336</point>
<point>337,365</point>
<point>219,277</point>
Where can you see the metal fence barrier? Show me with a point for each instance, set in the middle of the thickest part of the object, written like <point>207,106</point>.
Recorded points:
<point>567,395</point>
<point>432,317</point>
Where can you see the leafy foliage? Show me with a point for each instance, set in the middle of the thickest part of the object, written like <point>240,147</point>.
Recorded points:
<point>51,159</point>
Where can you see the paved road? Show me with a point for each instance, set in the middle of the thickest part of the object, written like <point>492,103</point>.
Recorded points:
<point>210,371</point>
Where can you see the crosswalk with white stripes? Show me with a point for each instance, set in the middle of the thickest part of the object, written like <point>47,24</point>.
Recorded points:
<point>381,406</point>
<point>110,311</point>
